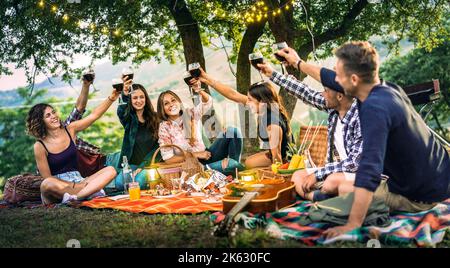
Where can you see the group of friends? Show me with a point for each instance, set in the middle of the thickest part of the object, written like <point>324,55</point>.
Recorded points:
<point>378,145</point>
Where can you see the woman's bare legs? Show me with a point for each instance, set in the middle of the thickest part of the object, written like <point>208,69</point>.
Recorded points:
<point>258,160</point>
<point>97,181</point>
<point>53,189</point>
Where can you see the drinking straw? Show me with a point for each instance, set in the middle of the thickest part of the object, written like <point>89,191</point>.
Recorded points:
<point>304,138</point>
<point>316,131</point>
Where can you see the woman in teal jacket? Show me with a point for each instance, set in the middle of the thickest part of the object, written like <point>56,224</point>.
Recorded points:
<point>140,140</point>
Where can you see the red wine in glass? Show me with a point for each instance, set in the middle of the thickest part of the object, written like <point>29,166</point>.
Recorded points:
<point>89,75</point>
<point>188,77</point>
<point>194,69</point>
<point>118,86</point>
<point>277,47</point>
<point>255,59</point>
<point>255,62</point>
<point>129,73</point>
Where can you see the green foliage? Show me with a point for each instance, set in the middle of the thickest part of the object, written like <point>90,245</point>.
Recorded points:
<point>148,31</point>
<point>16,147</point>
<point>420,66</point>
<point>105,133</point>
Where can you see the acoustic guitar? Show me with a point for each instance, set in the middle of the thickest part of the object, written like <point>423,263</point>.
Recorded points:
<point>264,196</point>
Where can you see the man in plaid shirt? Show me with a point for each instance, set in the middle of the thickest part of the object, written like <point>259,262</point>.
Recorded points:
<point>344,131</point>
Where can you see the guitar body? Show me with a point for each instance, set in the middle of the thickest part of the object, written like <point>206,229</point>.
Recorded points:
<point>272,196</point>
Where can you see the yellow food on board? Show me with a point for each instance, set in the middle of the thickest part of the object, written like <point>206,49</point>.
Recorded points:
<point>296,159</point>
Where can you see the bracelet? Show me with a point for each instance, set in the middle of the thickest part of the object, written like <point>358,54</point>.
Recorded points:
<point>298,64</point>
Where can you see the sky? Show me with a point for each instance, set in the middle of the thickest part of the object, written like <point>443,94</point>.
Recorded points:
<point>19,79</point>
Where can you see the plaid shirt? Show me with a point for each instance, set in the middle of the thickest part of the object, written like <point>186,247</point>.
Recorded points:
<point>351,129</point>
<point>81,144</point>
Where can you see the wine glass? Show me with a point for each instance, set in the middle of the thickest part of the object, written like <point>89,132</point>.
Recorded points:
<point>187,77</point>
<point>255,59</point>
<point>118,86</point>
<point>194,69</point>
<point>277,47</point>
<point>89,75</point>
<point>128,71</point>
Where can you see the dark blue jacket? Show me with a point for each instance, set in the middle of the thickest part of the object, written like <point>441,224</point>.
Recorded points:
<point>397,143</point>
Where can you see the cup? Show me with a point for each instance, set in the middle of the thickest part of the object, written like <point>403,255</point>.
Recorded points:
<point>134,190</point>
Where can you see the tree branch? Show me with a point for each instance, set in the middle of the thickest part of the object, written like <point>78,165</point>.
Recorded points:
<point>342,29</point>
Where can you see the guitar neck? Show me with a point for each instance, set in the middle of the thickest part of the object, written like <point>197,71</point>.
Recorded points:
<point>247,198</point>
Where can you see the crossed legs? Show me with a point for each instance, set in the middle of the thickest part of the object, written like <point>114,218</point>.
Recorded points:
<point>53,189</point>
<point>334,184</point>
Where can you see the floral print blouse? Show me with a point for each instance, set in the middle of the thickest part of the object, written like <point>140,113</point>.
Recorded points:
<point>175,132</point>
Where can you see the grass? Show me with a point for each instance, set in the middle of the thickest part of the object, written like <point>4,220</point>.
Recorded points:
<point>42,227</point>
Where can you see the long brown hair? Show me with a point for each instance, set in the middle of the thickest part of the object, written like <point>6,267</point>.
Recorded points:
<point>264,92</point>
<point>163,116</point>
<point>149,114</point>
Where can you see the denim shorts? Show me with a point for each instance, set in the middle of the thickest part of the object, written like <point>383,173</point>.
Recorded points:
<point>71,176</point>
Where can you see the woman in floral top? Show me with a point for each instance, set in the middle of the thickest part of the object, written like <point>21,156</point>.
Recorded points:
<point>183,127</point>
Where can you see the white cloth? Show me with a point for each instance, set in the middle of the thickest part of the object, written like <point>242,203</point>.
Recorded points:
<point>339,140</point>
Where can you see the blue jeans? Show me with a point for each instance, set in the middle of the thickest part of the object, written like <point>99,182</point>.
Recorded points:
<point>140,177</point>
<point>228,144</point>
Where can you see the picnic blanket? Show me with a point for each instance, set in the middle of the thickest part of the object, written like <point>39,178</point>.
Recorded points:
<point>152,205</point>
<point>425,229</point>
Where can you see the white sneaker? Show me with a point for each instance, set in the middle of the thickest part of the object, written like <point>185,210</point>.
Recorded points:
<point>100,193</point>
<point>68,198</point>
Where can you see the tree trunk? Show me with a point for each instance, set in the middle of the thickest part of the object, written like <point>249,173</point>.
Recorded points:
<point>189,32</point>
<point>282,28</point>
<point>193,52</point>
<point>243,81</point>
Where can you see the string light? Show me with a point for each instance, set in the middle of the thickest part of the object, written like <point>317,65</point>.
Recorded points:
<point>254,13</point>
<point>78,22</point>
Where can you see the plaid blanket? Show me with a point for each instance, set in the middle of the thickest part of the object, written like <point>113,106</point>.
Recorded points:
<point>151,205</point>
<point>425,229</point>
